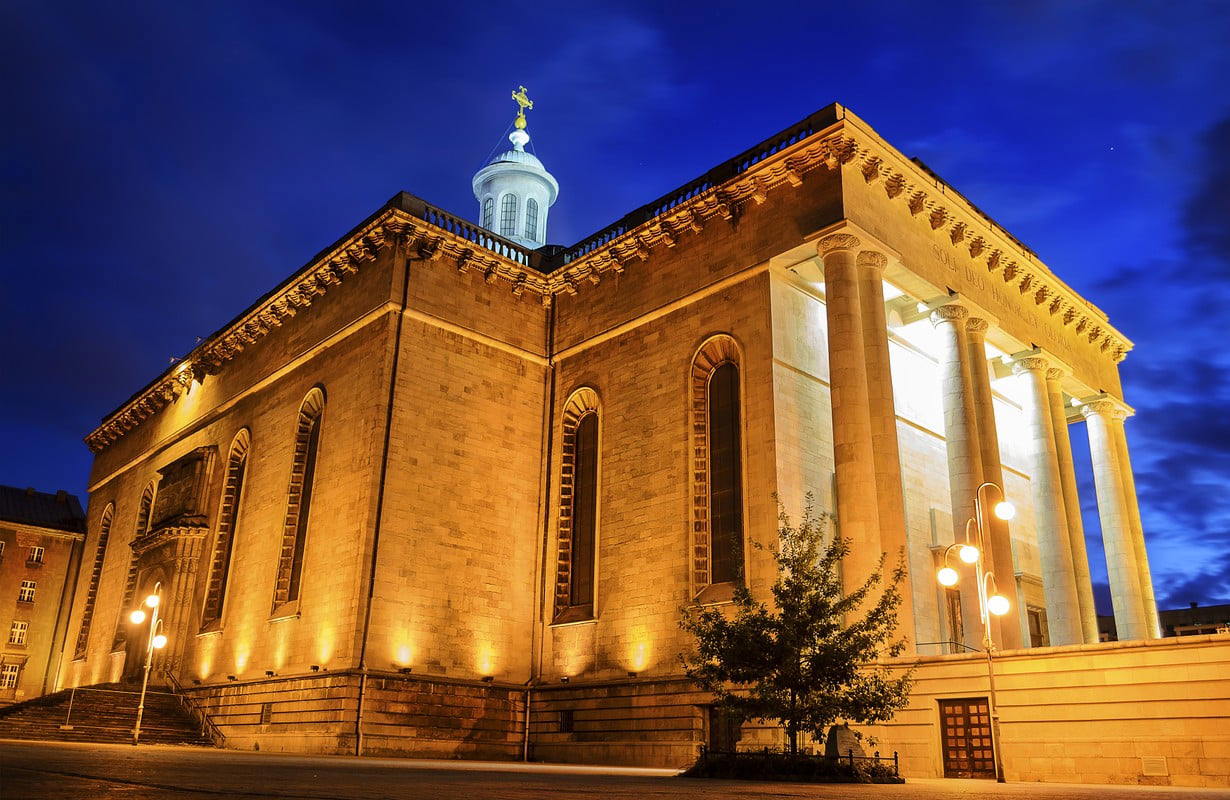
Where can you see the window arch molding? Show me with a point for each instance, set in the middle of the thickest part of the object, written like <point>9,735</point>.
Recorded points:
<point>91,596</point>
<point>715,352</point>
<point>234,482</point>
<point>145,510</point>
<point>576,578</point>
<point>288,582</point>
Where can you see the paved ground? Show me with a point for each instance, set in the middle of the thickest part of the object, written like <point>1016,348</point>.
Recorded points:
<point>30,770</point>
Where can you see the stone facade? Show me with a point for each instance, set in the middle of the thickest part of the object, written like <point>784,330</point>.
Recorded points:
<point>427,620</point>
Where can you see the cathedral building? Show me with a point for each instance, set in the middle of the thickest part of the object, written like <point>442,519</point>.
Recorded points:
<point>445,489</point>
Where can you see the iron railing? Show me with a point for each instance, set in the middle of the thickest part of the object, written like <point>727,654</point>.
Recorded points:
<point>752,758</point>
<point>207,726</point>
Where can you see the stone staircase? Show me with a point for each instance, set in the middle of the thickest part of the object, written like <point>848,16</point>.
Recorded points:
<point>102,713</point>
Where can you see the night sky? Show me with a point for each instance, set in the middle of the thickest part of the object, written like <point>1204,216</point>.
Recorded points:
<point>164,164</point>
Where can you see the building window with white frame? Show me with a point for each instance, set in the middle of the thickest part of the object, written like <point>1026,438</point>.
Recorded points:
<point>17,632</point>
<point>26,593</point>
<point>508,215</point>
<point>8,675</point>
<point>36,555</point>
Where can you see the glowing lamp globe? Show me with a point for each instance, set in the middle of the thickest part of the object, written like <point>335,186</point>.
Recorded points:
<point>137,617</point>
<point>1005,510</point>
<point>152,601</point>
<point>997,604</point>
<point>947,577</point>
<point>160,641</point>
<point>968,553</point>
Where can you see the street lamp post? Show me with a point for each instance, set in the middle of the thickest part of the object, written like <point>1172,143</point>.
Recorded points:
<point>988,602</point>
<point>155,641</point>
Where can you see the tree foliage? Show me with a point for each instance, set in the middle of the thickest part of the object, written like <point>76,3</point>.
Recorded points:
<point>803,661</point>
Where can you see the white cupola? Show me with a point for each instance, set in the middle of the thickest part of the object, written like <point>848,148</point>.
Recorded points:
<point>515,190</point>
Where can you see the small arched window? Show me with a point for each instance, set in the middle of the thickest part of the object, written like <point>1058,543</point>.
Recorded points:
<point>299,501</point>
<point>531,219</point>
<point>144,510</point>
<point>91,596</point>
<point>488,212</point>
<point>508,215</point>
<point>578,524</point>
<point>717,469</point>
<point>228,521</point>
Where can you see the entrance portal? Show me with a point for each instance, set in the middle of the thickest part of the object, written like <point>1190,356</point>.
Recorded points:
<point>965,727</point>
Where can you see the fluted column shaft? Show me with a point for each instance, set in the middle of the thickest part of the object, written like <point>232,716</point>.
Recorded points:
<point>1117,538</point>
<point>961,440</point>
<point>1072,507</point>
<point>853,456</point>
<point>882,411</point>
<point>1148,600</point>
<point>1006,629</point>
<point>1054,544</point>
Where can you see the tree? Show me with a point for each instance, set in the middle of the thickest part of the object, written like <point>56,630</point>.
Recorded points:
<point>803,661</point>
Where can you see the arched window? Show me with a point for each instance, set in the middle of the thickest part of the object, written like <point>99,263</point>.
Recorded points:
<point>578,521</point>
<point>717,467</point>
<point>508,215</point>
<point>130,584</point>
<point>488,212</point>
<point>228,521</point>
<point>299,503</point>
<point>531,219</point>
<point>100,553</point>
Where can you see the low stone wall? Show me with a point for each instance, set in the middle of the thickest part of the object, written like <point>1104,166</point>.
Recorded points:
<point>1144,712</point>
<point>402,715</point>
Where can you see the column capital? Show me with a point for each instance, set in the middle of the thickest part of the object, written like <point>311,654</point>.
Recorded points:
<point>837,242</point>
<point>1054,373</point>
<point>1105,405</point>
<point>872,259</point>
<point>977,325</point>
<point>949,312</point>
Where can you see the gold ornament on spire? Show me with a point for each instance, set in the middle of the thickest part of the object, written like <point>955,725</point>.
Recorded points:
<point>523,102</point>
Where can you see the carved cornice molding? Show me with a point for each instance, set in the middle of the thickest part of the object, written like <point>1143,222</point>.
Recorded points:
<point>786,168</point>
<point>395,227</point>
<point>983,241</point>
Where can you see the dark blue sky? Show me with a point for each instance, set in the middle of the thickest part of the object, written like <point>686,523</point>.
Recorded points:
<point>166,163</point>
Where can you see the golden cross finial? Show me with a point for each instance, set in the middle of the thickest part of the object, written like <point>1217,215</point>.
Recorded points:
<point>523,102</point>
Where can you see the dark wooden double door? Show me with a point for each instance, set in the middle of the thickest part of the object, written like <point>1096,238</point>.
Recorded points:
<point>965,729</point>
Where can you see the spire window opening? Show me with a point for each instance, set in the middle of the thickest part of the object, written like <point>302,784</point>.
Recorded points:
<point>531,219</point>
<point>508,215</point>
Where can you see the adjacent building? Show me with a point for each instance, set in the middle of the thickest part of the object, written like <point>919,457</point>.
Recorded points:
<point>40,550</point>
<point>444,491</point>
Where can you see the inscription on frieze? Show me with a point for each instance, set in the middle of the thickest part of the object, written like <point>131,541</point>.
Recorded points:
<point>183,488</point>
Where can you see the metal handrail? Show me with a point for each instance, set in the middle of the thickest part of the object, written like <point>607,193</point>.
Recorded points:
<point>208,727</point>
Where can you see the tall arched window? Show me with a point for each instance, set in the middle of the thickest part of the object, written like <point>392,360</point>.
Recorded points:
<point>228,521</point>
<point>508,215</point>
<point>578,521</point>
<point>531,219</point>
<point>488,212</point>
<point>299,503</point>
<point>717,466</point>
<point>144,510</point>
<point>91,595</point>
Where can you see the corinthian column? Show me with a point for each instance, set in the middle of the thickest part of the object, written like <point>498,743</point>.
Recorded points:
<point>1054,544</point>
<point>1152,623</point>
<point>961,439</point>
<point>1008,635</point>
<point>1134,616</point>
<point>1072,507</point>
<point>883,415</point>
<point>853,457</point>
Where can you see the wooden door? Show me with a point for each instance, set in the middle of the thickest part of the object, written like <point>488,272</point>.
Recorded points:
<point>965,727</point>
